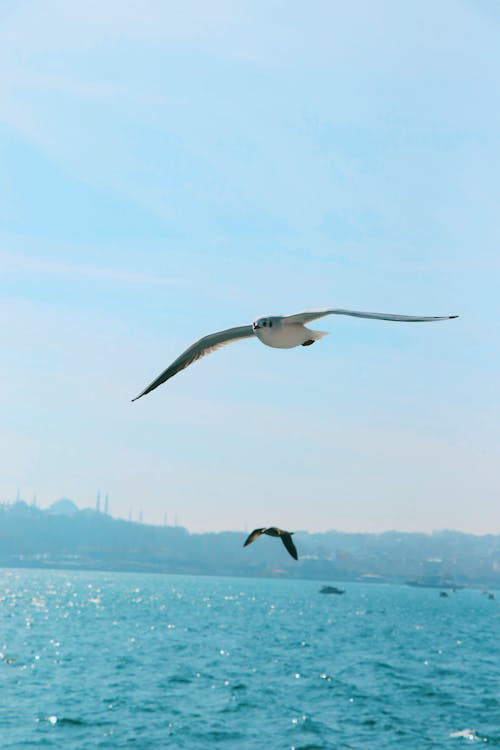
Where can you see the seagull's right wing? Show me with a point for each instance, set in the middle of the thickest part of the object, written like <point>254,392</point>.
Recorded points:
<point>206,345</point>
<point>253,536</point>
<point>286,538</point>
<point>310,315</point>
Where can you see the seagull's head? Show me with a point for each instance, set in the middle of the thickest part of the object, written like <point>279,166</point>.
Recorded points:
<point>264,323</point>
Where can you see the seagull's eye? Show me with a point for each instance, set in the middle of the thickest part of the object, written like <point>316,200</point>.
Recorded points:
<point>264,323</point>
<point>270,324</point>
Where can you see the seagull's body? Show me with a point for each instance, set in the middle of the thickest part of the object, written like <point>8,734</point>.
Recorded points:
<point>276,331</point>
<point>285,536</point>
<point>279,333</point>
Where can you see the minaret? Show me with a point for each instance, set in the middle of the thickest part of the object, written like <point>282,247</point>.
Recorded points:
<point>98,503</point>
<point>106,504</point>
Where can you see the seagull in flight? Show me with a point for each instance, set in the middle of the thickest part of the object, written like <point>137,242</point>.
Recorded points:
<point>285,536</point>
<point>278,331</point>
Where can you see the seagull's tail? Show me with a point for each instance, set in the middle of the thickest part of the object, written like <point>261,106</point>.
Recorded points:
<point>317,335</point>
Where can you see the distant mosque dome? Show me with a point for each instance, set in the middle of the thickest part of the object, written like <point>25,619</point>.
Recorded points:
<point>64,507</point>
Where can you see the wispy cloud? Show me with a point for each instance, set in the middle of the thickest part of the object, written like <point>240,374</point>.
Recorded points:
<point>13,263</point>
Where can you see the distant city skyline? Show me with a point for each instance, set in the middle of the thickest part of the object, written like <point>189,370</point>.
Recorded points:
<point>136,513</point>
<point>180,168</point>
<point>65,537</point>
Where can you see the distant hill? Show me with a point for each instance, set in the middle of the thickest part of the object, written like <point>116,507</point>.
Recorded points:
<point>64,536</point>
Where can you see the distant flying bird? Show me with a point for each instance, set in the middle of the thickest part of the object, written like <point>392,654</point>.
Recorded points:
<point>285,536</point>
<point>278,331</point>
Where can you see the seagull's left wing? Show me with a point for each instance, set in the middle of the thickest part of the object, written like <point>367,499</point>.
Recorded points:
<point>309,315</point>
<point>206,345</point>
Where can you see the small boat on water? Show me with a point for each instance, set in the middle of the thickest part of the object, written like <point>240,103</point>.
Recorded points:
<point>331,590</point>
<point>443,594</point>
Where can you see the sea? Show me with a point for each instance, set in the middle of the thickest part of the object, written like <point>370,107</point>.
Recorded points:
<point>131,660</point>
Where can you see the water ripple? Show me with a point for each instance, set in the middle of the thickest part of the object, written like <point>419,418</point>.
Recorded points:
<point>136,661</point>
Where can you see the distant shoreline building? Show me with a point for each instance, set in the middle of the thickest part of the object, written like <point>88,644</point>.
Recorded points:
<point>64,507</point>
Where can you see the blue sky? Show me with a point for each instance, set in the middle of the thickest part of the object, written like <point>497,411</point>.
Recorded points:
<point>170,169</point>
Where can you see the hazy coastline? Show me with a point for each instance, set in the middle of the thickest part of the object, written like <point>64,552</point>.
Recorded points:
<point>63,537</point>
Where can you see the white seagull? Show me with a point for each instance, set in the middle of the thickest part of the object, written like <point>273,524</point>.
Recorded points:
<point>278,331</point>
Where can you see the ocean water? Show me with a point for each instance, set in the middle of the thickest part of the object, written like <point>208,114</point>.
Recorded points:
<point>111,660</point>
